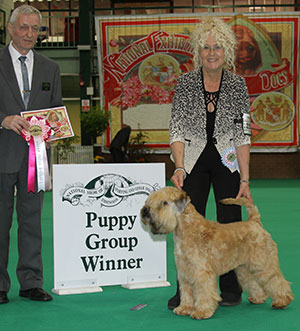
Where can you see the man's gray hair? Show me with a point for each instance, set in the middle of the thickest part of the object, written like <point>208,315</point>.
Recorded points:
<point>24,10</point>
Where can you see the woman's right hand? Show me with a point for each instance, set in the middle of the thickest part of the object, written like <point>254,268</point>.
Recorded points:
<point>178,178</point>
<point>177,149</point>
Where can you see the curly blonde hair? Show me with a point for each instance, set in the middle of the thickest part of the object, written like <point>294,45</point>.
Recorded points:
<point>223,34</point>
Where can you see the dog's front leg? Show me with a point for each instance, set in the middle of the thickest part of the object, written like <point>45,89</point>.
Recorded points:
<point>186,298</point>
<point>206,296</point>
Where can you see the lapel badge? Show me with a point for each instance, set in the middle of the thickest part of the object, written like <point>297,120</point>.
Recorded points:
<point>46,86</point>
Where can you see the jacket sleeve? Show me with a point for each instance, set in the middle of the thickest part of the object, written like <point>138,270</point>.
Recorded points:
<point>177,122</point>
<point>56,98</point>
<point>242,113</point>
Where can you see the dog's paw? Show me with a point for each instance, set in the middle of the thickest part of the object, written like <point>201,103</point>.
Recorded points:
<point>282,302</point>
<point>256,300</point>
<point>202,314</point>
<point>183,310</point>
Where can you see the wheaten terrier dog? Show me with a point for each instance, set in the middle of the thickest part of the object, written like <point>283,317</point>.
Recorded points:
<point>206,249</point>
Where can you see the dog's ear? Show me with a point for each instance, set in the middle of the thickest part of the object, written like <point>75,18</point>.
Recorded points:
<point>181,203</point>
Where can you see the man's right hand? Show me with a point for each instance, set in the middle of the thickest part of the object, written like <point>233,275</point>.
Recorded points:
<point>15,123</point>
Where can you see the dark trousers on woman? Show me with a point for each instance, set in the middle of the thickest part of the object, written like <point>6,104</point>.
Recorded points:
<point>208,172</point>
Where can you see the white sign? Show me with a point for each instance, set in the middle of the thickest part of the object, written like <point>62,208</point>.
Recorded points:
<point>98,236</point>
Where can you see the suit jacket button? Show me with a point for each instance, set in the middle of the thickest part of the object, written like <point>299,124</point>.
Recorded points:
<point>214,140</point>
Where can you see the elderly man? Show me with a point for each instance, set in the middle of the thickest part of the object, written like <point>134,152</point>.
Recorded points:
<point>28,81</point>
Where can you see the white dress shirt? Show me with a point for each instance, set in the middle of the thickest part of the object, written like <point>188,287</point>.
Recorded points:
<point>17,66</point>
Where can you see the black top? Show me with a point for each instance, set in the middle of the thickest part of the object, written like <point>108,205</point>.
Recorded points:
<point>210,124</point>
<point>211,97</point>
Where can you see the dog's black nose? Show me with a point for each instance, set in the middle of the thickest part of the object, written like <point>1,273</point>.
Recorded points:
<point>145,212</point>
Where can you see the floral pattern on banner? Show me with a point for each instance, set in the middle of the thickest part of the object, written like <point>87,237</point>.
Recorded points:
<point>134,92</point>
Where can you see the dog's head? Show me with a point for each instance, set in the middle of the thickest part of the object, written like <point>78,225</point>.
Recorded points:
<point>162,208</point>
<point>248,57</point>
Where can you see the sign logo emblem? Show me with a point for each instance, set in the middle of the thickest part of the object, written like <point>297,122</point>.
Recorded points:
<point>108,190</point>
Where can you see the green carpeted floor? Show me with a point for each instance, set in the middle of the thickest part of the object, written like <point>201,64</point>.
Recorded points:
<point>279,205</point>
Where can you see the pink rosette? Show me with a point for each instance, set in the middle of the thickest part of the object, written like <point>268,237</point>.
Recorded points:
<point>39,132</point>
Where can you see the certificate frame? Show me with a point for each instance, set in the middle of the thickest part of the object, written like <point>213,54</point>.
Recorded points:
<point>58,120</point>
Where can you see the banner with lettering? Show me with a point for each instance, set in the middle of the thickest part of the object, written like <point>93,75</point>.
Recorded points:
<point>99,238</point>
<point>141,57</point>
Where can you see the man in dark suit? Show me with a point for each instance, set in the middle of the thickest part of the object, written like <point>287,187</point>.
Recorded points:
<point>44,91</point>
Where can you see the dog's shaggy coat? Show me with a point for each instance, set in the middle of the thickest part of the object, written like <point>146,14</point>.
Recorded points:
<point>205,249</point>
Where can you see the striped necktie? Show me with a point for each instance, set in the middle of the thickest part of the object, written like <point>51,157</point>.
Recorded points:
<point>26,90</point>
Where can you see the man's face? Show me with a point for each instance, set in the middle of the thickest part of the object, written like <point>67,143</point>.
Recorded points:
<point>24,32</point>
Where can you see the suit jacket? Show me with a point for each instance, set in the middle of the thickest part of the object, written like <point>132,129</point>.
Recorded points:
<point>188,117</point>
<point>45,93</point>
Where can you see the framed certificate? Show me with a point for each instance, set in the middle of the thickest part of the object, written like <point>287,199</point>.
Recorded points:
<point>57,119</point>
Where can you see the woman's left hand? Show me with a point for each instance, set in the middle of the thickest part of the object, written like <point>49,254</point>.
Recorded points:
<point>244,191</point>
<point>243,156</point>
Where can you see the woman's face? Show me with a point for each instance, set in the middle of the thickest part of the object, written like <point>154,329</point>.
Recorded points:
<point>212,55</point>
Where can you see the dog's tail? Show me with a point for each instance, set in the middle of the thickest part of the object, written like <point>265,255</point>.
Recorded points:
<point>253,214</point>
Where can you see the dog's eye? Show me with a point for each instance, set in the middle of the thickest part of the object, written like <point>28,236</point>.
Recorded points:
<point>164,203</point>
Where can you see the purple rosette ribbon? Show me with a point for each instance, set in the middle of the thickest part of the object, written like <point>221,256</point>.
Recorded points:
<point>39,132</point>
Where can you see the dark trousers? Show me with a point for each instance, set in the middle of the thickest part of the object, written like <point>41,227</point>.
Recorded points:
<point>29,209</point>
<point>209,171</point>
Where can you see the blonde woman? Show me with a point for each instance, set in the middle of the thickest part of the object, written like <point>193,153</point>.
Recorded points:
<point>210,133</point>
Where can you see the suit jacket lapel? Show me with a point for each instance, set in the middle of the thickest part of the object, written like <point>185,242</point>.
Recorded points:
<point>35,83</point>
<point>8,72</point>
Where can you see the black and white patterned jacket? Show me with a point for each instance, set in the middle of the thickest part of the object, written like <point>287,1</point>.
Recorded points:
<point>188,118</point>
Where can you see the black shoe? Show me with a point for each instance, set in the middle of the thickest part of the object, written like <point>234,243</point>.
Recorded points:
<point>3,297</point>
<point>174,302</point>
<point>36,294</point>
<point>229,299</point>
